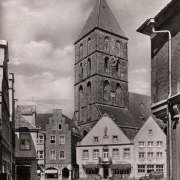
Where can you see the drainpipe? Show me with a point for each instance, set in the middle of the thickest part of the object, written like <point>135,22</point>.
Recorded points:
<point>170,94</point>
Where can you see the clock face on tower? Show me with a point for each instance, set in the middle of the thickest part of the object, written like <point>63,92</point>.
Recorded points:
<point>113,61</point>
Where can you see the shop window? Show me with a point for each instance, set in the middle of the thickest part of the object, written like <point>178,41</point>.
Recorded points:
<point>141,168</point>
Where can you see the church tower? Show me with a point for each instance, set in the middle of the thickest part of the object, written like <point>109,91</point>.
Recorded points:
<point>101,66</point>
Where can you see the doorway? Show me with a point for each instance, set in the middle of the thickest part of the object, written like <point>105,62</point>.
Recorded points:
<point>65,173</point>
<point>23,172</point>
<point>106,172</point>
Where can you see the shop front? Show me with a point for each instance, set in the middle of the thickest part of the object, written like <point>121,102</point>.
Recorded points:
<point>106,171</point>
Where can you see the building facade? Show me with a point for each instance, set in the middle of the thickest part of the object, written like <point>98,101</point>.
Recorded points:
<point>150,150</point>
<point>26,143</point>
<point>7,135</point>
<point>106,152</point>
<point>101,62</point>
<point>61,139</point>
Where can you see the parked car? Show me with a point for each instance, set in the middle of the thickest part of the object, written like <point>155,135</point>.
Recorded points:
<point>146,177</point>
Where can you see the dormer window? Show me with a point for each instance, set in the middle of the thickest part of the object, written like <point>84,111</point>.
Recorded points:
<point>96,139</point>
<point>115,139</point>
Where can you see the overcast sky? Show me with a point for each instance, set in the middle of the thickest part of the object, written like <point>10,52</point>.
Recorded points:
<point>41,36</point>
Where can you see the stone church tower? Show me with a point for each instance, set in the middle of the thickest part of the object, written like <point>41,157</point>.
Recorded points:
<point>101,67</point>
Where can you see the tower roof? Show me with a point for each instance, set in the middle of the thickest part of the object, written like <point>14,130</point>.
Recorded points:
<point>102,17</point>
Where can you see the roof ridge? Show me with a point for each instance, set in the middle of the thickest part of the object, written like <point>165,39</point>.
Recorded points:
<point>98,13</point>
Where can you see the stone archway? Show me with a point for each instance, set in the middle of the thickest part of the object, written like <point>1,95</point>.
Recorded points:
<point>65,173</point>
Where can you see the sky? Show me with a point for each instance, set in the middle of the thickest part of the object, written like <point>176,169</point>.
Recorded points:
<point>41,36</point>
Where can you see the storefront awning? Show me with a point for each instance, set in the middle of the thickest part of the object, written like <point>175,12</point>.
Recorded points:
<point>90,166</point>
<point>51,171</point>
<point>121,166</point>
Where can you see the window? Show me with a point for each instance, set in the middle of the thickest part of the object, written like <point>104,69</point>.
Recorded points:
<point>61,139</point>
<point>150,132</point>
<point>40,154</point>
<point>115,139</point>
<point>40,139</point>
<point>89,45</point>
<point>118,48</point>
<point>115,153</point>
<point>159,143</point>
<point>106,40</point>
<point>150,155</point>
<point>25,142</point>
<point>54,126</point>
<point>61,155</point>
<point>95,153</point>
<point>150,168</point>
<point>52,139</point>
<point>53,155</point>
<point>85,154</point>
<point>88,93</point>
<point>150,143</point>
<point>141,168</point>
<point>81,51</point>
<point>141,155</point>
<point>89,67</point>
<point>159,168</point>
<point>141,144</point>
<point>96,139</point>
<point>80,71</point>
<point>126,152</point>
<point>106,65</point>
<point>159,155</point>
<point>118,94</point>
<point>60,126</point>
<point>106,93</point>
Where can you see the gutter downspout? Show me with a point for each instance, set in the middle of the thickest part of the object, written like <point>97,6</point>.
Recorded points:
<point>170,94</point>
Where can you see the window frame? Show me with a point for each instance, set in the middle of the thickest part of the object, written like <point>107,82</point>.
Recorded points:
<point>126,152</point>
<point>51,139</point>
<point>150,132</point>
<point>51,156</point>
<point>158,169</point>
<point>152,155</point>
<point>151,142</point>
<point>60,155</point>
<point>95,142</point>
<point>140,153</point>
<point>113,137</point>
<point>115,157</point>
<point>157,155</point>
<point>158,145</point>
<point>85,158</point>
<point>25,149</point>
<point>141,170</point>
<point>40,154</point>
<point>64,142</point>
<point>140,145</point>
<point>97,154</point>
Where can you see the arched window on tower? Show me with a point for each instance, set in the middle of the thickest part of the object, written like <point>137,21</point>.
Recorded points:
<point>88,93</point>
<point>118,94</point>
<point>106,65</point>
<point>80,102</point>
<point>106,90</point>
<point>89,67</point>
<point>118,46</point>
<point>80,71</point>
<point>89,45</point>
<point>81,51</point>
<point>106,44</point>
<point>117,68</point>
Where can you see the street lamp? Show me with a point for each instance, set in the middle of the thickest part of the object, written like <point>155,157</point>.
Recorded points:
<point>148,28</point>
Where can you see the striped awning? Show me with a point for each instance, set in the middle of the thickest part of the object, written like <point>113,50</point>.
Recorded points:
<point>90,166</point>
<point>121,166</point>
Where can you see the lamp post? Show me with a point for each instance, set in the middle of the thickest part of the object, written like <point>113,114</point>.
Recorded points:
<point>148,28</point>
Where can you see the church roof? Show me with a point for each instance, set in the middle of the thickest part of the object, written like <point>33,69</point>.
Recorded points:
<point>122,117</point>
<point>102,17</point>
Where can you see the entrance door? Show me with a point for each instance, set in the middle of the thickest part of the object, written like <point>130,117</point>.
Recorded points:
<point>105,155</point>
<point>106,173</point>
<point>23,173</point>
